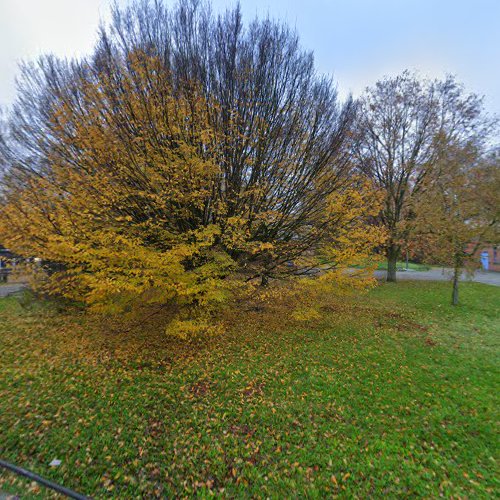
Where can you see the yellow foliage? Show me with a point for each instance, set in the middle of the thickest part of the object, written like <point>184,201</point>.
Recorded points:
<point>185,329</point>
<point>132,207</point>
<point>353,239</point>
<point>306,314</point>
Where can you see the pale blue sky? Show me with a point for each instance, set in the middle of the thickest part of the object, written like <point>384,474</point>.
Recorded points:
<point>357,41</point>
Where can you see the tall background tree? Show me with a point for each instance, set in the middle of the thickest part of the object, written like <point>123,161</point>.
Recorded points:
<point>400,121</point>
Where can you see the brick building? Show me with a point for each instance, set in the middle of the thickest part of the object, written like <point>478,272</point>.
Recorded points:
<point>488,256</point>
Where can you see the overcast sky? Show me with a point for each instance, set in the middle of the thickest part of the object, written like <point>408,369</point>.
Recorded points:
<point>357,41</point>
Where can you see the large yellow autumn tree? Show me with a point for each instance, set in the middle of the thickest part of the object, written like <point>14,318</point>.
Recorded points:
<point>168,169</point>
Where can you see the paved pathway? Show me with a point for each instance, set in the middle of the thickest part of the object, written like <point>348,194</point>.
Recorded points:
<point>436,274</point>
<point>440,274</point>
<point>10,288</point>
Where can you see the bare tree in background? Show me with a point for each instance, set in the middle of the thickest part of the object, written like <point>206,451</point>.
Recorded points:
<point>400,120</point>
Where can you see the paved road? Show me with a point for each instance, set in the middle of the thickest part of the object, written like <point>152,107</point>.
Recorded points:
<point>10,288</point>
<point>438,274</point>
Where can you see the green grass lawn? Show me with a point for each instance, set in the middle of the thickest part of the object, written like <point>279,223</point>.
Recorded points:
<point>401,266</point>
<point>391,394</point>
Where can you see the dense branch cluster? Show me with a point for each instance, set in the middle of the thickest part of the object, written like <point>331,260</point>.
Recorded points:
<point>186,150</point>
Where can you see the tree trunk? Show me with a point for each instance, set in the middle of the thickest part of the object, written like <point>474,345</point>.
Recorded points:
<point>392,258</point>
<point>264,280</point>
<point>456,275</point>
